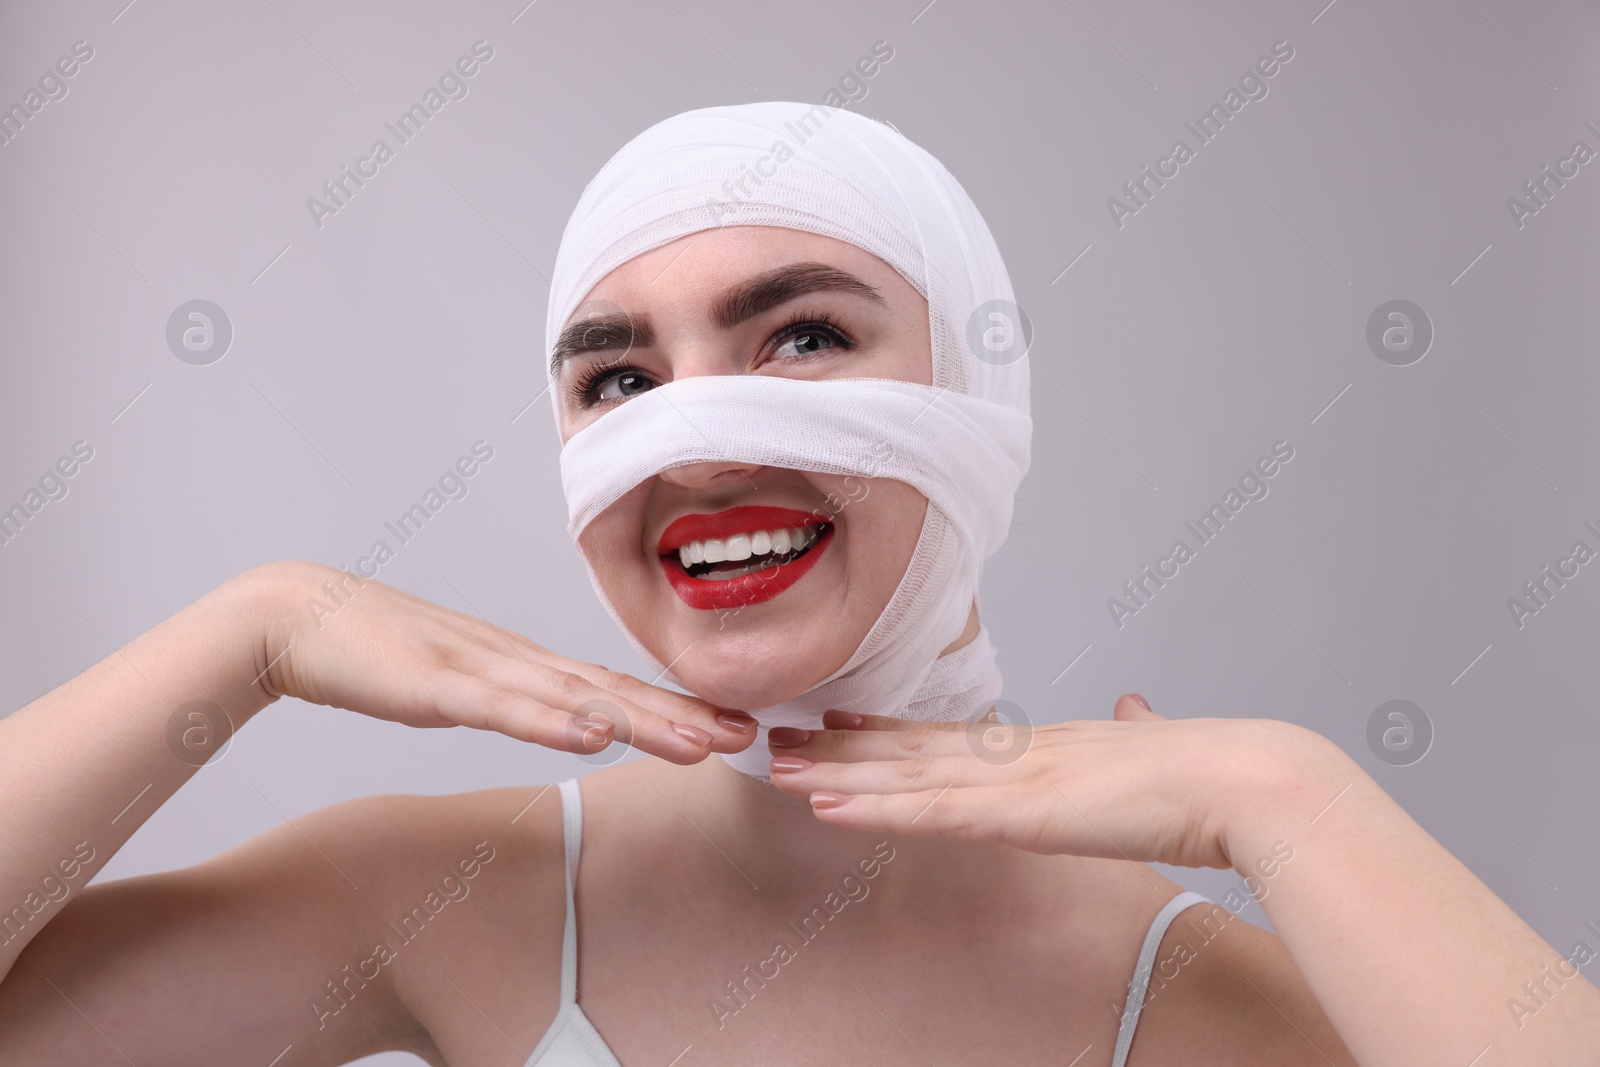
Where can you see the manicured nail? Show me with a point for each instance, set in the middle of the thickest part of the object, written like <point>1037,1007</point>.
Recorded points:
<point>827,800</point>
<point>789,764</point>
<point>737,720</point>
<point>846,720</point>
<point>787,737</point>
<point>691,734</point>
<point>593,732</point>
<point>1141,701</point>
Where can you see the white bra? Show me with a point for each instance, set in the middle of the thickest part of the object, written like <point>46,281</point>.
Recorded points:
<point>572,1040</point>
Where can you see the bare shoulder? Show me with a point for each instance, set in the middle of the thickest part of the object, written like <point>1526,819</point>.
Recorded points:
<point>358,927</point>
<point>1224,991</point>
<point>464,919</point>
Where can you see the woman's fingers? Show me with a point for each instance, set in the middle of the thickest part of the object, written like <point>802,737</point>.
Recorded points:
<point>850,737</point>
<point>393,656</point>
<point>879,755</point>
<point>834,719</point>
<point>997,813</point>
<point>469,700</point>
<point>1131,707</point>
<point>731,731</point>
<point>1133,788</point>
<point>866,744</point>
<point>573,693</point>
<point>914,775</point>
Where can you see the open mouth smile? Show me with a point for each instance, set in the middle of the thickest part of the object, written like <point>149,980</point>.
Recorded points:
<point>741,556</point>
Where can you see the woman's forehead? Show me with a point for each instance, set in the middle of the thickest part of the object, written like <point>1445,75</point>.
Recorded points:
<point>706,263</point>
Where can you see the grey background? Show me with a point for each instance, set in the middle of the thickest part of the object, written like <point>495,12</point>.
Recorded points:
<point>1228,314</point>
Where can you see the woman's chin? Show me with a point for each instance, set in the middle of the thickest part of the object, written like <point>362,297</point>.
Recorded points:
<point>741,693</point>
<point>746,683</point>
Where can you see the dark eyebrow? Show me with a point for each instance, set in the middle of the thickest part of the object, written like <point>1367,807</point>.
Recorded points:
<point>600,333</point>
<point>737,304</point>
<point>766,291</point>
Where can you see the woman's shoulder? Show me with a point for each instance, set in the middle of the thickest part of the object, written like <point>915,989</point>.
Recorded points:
<point>1223,990</point>
<point>463,905</point>
<point>395,839</point>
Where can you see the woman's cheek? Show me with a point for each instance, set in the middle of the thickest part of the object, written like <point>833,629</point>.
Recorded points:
<point>613,545</point>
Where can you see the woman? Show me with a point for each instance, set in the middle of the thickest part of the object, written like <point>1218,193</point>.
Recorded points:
<point>786,457</point>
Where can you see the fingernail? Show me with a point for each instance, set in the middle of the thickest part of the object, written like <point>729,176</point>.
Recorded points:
<point>1141,701</point>
<point>737,720</point>
<point>691,734</point>
<point>846,720</point>
<point>827,800</point>
<point>790,763</point>
<point>787,737</point>
<point>593,732</point>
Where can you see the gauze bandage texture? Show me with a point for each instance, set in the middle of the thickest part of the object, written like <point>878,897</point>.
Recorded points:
<point>962,442</point>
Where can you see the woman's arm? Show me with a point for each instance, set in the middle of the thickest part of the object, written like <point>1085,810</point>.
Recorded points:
<point>83,767</point>
<point>185,967</point>
<point>231,958</point>
<point>1412,958</point>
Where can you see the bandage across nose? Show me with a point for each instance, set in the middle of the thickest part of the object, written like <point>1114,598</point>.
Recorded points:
<point>962,442</point>
<point>963,453</point>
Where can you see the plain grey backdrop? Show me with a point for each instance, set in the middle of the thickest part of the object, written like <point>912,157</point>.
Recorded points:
<point>1176,340</point>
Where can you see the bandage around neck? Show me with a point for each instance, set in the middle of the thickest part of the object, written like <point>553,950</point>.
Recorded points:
<point>963,442</point>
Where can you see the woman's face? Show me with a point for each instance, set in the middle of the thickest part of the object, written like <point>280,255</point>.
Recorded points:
<point>764,625</point>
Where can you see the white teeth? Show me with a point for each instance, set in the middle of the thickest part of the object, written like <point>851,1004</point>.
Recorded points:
<point>736,572</point>
<point>745,546</point>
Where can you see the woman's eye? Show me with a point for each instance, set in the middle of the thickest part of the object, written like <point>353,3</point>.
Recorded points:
<point>621,386</point>
<point>807,340</point>
<point>805,344</point>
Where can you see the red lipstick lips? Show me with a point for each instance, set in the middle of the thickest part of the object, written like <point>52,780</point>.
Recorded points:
<point>708,594</point>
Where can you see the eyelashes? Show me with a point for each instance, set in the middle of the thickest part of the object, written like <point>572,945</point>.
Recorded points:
<point>800,324</point>
<point>590,378</point>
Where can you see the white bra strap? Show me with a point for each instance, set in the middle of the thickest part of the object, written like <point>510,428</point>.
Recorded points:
<point>1141,971</point>
<point>572,826</point>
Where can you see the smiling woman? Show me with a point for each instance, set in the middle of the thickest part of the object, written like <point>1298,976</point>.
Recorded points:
<point>698,368</point>
<point>784,464</point>
<point>706,313</point>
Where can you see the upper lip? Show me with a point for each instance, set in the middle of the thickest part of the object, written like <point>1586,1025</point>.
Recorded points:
<point>721,524</point>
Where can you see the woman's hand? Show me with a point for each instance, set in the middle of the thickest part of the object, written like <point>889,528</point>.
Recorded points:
<point>333,638</point>
<point>1139,787</point>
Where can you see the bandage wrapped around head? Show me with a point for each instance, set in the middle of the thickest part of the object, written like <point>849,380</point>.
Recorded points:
<point>962,442</point>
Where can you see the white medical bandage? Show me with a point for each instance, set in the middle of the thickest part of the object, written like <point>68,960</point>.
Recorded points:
<point>962,442</point>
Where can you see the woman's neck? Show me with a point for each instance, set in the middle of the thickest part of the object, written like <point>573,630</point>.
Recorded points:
<point>780,846</point>
<point>781,843</point>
